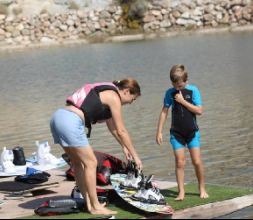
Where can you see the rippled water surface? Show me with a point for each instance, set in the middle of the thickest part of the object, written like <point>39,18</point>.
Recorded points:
<point>34,83</point>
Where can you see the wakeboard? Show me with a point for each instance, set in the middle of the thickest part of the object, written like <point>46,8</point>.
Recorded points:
<point>126,195</point>
<point>13,189</point>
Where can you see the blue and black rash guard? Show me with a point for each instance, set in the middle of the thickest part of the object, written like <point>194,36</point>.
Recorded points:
<point>184,124</point>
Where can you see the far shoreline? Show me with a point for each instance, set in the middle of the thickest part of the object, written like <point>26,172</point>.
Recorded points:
<point>130,37</point>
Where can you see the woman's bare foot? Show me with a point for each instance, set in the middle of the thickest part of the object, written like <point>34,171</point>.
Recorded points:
<point>102,211</point>
<point>204,195</point>
<point>180,197</point>
<point>89,206</point>
<point>88,203</point>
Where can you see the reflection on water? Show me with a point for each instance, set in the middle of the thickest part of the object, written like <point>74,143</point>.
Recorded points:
<point>35,83</point>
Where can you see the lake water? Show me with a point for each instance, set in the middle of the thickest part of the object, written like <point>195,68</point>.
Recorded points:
<point>34,83</point>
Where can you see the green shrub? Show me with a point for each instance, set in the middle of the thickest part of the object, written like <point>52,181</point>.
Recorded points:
<point>137,9</point>
<point>133,12</point>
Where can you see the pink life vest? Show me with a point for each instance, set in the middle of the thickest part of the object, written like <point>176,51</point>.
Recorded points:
<point>87,99</point>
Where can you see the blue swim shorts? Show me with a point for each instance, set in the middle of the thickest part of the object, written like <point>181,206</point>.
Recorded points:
<point>195,142</point>
<point>68,129</point>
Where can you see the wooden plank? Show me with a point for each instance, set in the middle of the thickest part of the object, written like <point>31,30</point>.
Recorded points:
<point>216,209</point>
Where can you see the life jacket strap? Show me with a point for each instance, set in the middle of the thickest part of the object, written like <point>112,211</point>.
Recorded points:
<point>88,125</point>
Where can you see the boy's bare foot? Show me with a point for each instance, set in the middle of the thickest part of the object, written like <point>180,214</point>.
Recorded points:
<point>204,195</point>
<point>102,211</point>
<point>180,197</point>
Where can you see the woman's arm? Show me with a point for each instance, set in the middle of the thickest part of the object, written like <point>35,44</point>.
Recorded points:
<point>112,129</point>
<point>112,100</point>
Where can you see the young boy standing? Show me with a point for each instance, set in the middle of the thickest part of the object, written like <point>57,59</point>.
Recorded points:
<point>185,101</point>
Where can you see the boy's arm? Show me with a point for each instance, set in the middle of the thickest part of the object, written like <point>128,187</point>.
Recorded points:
<point>198,110</point>
<point>162,119</point>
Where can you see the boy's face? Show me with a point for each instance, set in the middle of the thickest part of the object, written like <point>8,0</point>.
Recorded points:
<point>179,85</point>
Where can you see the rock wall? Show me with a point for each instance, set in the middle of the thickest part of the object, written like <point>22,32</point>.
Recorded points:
<point>63,24</point>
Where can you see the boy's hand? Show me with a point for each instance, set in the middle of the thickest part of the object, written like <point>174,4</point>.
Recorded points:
<point>159,138</point>
<point>179,97</point>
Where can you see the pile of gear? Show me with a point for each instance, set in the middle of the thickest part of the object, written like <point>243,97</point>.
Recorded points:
<point>74,204</point>
<point>12,158</point>
<point>147,191</point>
<point>107,165</point>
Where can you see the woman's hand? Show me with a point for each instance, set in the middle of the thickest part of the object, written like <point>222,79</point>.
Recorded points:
<point>138,163</point>
<point>130,158</point>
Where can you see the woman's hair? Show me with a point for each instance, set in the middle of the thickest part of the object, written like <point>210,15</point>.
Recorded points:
<point>130,84</point>
<point>178,74</point>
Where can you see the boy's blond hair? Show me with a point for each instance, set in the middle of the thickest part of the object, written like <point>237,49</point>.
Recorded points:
<point>178,74</point>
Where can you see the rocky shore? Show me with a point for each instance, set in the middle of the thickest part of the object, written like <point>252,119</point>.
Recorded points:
<point>75,23</point>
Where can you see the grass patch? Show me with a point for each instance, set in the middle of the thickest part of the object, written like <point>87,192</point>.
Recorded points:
<point>126,211</point>
<point>216,194</point>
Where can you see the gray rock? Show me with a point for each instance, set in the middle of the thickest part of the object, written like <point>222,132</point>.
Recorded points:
<point>149,18</point>
<point>63,27</point>
<point>2,17</point>
<point>2,32</point>
<point>182,21</point>
<point>70,22</point>
<point>165,24</point>
<point>47,40</point>
<point>2,37</point>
